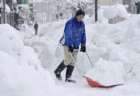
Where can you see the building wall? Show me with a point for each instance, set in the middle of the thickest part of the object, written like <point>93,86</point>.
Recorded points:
<point>108,2</point>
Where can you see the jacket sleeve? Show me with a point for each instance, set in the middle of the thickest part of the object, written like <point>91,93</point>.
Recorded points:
<point>83,39</point>
<point>68,34</point>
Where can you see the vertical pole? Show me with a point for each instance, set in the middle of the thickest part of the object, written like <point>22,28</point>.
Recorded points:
<point>132,6</point>
<point>0,17</point>
<point>96,10</point>
<point>4,11</point>
<point>109,2</point>
<point>48,11</point>
<point>116,2</point>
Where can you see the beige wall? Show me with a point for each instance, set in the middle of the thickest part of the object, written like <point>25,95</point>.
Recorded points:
<point>108,2</point>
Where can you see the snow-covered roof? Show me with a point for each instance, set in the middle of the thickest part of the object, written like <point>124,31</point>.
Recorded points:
<point>115,10</point>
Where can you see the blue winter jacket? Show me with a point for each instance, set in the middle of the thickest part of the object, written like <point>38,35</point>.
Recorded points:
<point>74,34</point>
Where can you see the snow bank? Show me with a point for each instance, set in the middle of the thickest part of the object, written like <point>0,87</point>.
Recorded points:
<point>10,42</point>
<point>101,18</point>
<point>107,73</point>
<point>21,73</point>
<point>20,81</point>
<point>115,10</point>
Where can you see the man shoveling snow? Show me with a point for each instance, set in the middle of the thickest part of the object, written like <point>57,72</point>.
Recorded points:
<point>74,35</point>
<point>107,73</point>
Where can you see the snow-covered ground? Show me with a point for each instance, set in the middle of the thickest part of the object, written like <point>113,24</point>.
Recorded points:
<point>21,72</point>
<point>114,43</point>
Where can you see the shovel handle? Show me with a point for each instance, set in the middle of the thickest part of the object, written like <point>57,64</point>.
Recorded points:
<point>75,64</point>
<point>72,58</point>
<point>89,59</point>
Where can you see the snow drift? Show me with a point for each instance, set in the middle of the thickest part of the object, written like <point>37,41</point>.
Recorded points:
<point>107,73</point>
<point>21,73</point>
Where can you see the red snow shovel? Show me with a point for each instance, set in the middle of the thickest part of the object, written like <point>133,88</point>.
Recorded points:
<point>91,82</point>
<point>96,84</point>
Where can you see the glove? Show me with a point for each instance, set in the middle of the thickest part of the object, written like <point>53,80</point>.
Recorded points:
<point>71,49</point>
<point>83,49</point>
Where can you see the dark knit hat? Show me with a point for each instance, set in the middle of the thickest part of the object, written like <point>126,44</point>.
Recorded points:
<point>80,12</point>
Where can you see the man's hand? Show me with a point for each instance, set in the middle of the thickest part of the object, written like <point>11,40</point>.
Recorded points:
<point>71,49</point>
<point>83,49</point>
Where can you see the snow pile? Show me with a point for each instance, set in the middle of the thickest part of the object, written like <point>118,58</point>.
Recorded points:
<point>10,42</point>
<point>17,80</point>
<point>107,73</point>
<point>101,18</point>
<point>21,73</point>
<point>115,10</point>
<point>45,45</point>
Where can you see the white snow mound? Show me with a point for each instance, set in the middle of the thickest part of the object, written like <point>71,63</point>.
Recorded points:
<point>21,73</point>
<point>107,73</point>
<point>115,10</point>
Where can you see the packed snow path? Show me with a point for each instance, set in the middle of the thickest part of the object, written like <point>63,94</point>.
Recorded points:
<point>109,42</point>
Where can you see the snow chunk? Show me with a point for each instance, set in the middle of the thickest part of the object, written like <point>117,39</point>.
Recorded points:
<point>115,10</point>
<point>122,12</point>
<point>107,73</point>
<point>110,12</point>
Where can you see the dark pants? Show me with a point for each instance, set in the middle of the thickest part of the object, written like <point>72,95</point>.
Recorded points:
<point>35,31</point>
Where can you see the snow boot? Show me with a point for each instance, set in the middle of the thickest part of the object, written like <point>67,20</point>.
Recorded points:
<point>58,71</point>
<point>69,73</point>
